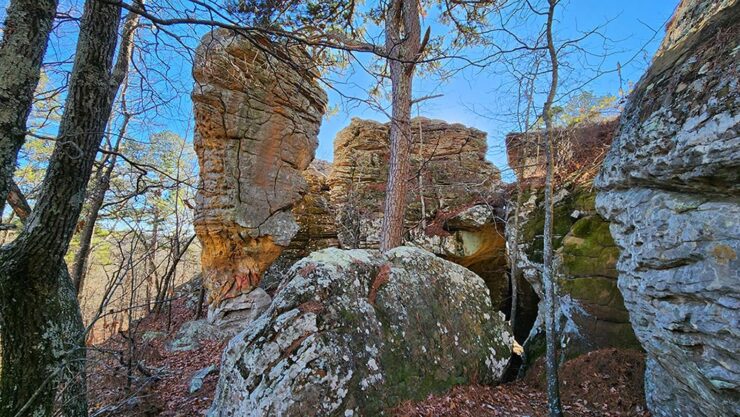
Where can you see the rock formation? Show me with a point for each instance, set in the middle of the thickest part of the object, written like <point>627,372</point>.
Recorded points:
<point>449,171</point>
<point>257,119</point>
<point>454,198</point>
<point>591,313</point>
<point>471,236</point>
<point>316,220</point>
<point>354,333</point>
<point>670,186</point>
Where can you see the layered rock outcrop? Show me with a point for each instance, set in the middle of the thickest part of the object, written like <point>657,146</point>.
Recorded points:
<point>257,116</point>
<point>354,333</point>
<point>454,199</point>
<point>590,310</point>
<point>448,166</point>
<point>317,227</point>
<point>670,186</point>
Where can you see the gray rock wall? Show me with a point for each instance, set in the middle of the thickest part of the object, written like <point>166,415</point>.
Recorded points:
<point>670,186</point>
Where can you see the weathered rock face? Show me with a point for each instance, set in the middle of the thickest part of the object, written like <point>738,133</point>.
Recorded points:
<point>670,186</point>
<point>316,219</point>
<point>453,201</point>
<point>353,333</point>
<point>473,237</point>
<point>257,120</point>
<point>591,313</point>
<point>578,152</point>
<point>243,308</point>
<point>449,172</point>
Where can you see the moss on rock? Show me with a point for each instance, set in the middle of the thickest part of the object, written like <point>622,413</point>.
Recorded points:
<point>588,250</point>
<point>579,199</point>
<point>591,309</point>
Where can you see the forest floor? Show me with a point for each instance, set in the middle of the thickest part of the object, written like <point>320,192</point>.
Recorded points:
<point>159,378</point>
<point>604,383</point>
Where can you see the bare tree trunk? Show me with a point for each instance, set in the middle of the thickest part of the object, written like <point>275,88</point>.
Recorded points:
<point>102,182</point>
<point>151,251</point>
<point>403,45</point>
<point>515,254</point>
<point>553,391</point>
<point>201,299</point>
<point>43,352</point>
<point>169,277</point>
<point>102,185</point>
<point>25,36</point>
<point>18,202</point>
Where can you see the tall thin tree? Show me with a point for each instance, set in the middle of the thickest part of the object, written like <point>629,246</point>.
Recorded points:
<point>553,390</point>
<point>404,47</point>
<point>108,162</point>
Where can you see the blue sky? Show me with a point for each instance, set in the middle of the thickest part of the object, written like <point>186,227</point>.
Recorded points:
<point>474,97</point>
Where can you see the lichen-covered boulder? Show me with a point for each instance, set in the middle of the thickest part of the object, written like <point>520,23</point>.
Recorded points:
<point>670,186</point>
<point>355,332</point>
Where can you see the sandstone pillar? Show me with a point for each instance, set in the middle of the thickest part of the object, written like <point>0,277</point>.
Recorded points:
<point>257,117</point>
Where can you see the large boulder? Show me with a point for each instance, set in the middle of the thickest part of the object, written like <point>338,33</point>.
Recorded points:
<point>355,332</point>
<point>670,186</point>
<point>590,312</point>
<point>257,117</point>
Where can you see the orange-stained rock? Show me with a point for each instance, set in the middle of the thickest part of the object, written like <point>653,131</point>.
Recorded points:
<point>454,202</point>
<point>257,119</point>
<point>448,171</point>
<point>578,152</point>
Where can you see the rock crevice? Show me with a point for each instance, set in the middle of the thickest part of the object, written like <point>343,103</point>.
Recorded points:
<point>590,310</point>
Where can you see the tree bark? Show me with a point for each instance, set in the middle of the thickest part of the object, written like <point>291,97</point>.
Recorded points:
<point>553,389</point>
<point>100,188</point>
<point>26,34</point>
<point>43,352</point>
<point>18,201</point>
<point>403,45</point>
<point>514,274</point>
<point>102,182</point>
